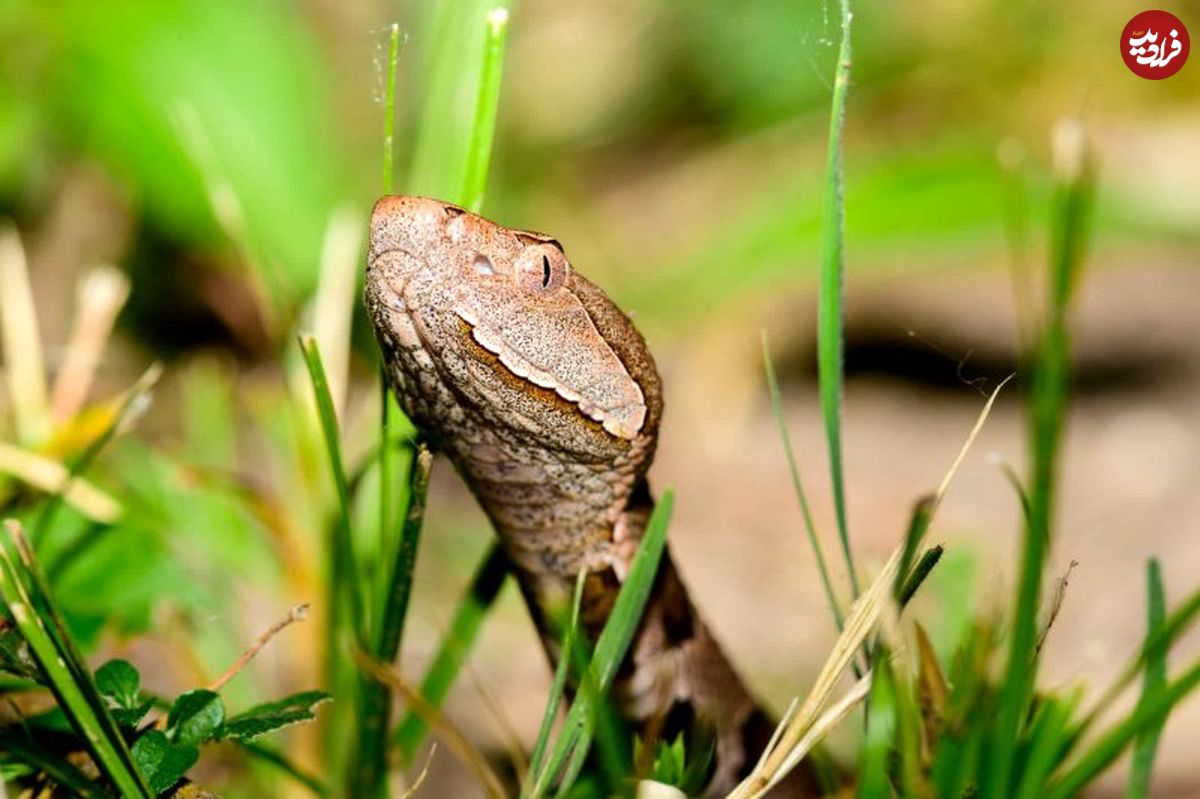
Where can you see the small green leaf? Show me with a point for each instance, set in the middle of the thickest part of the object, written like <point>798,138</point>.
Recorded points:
<point>120,682</point>
<point>132,716</point>
<point>161,762</point>
<point>272,716</point>
<point>195,717</point>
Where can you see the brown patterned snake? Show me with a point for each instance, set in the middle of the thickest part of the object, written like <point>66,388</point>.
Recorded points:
<point>546,399</point>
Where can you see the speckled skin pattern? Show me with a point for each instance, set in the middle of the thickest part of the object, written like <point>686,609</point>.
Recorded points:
<point>545,398</point>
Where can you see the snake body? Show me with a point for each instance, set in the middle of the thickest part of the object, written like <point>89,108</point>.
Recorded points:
<point>547,401</point>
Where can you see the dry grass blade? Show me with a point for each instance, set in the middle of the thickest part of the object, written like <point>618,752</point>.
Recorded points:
<point>962,452</point>
<point>51,476</point>
<point>24,365</point>
<point>333,304</point>
<point>99,298</point>
<point>795,739</point>
<point>798,733</point>
<point>824,724</point>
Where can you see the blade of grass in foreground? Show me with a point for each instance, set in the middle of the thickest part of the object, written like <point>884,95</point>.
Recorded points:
<point>1155,680</point>
<point>1148,715</point>
<point>874,768</point>
<point>389,411</point>
<point>556,689</point>
<point>575,737</point>
<point>1047,402</point>
<point>389,109</point>
<point>829,305</point>
<point>794,470</point>
<point>453,66</point>
<point>483,131</point>
<point>474,606</point>
<point>342,579</point>
<point>368,768</point>
<point>70,680</point>
<point>345,624</point>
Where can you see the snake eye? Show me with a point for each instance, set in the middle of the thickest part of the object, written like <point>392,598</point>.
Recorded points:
<point>541,268</point>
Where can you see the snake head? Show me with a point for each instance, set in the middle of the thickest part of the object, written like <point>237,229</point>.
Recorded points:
<point>505,320</point>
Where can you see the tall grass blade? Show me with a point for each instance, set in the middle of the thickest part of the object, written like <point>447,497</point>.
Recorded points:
<point>799,731</point>
<point>554,701</point>
<point>453,66</point>
<point>368,768</point>
<point>345,623</point>
<point>1157,643</point>
<point>476,602</point>
<point>342,582</point>
<point>1155,680</point>
<point>389,109</point>
<point>24,592</point>
<point>797,485</point>
<point>487,100</point>
<point>575,737</point>
<point>830,342</point>
<point>874,782</point>
<point>1148,715</point>
<point>1047,402</point>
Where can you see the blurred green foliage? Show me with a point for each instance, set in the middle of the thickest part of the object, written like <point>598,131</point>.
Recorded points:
<point>221,119</point>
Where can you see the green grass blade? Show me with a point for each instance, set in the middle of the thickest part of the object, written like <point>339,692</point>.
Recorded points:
<point>34,614</point>
<point>610,648</point>
<point>1155,680</point>
<point>1048,738</point>
<point>368,768</point>
<point>345,622</point>
<point>1046,403</point>
<point>395,600</point>
<point>480,596</point>
<point>389,412</point>
<point>830,342</point>
<point>929,559</point>
<point>1148,715</point>
<point>446,117</point>
<point>1155,646</point>
<point>487,100</point>
<point>918,526</point>
<point>341,544</point>
<point>389,109</point>
<point>873,779</point>
<point>558,687</point>
<point>794,470</point>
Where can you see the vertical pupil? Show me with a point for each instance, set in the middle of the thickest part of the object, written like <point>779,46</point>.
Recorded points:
<point>545,272</point>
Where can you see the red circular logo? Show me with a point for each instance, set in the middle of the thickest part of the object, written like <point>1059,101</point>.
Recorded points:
<point>1155,45</point>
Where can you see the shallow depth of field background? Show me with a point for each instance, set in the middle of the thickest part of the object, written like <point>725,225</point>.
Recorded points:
<point>676,149</point>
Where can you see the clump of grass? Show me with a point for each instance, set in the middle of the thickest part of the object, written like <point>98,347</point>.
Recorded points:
<point>965,730</point>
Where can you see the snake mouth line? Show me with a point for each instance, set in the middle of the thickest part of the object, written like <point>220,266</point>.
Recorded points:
<point>522,369</point>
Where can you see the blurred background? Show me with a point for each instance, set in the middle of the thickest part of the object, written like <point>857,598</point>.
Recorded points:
<point>222,157</point>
